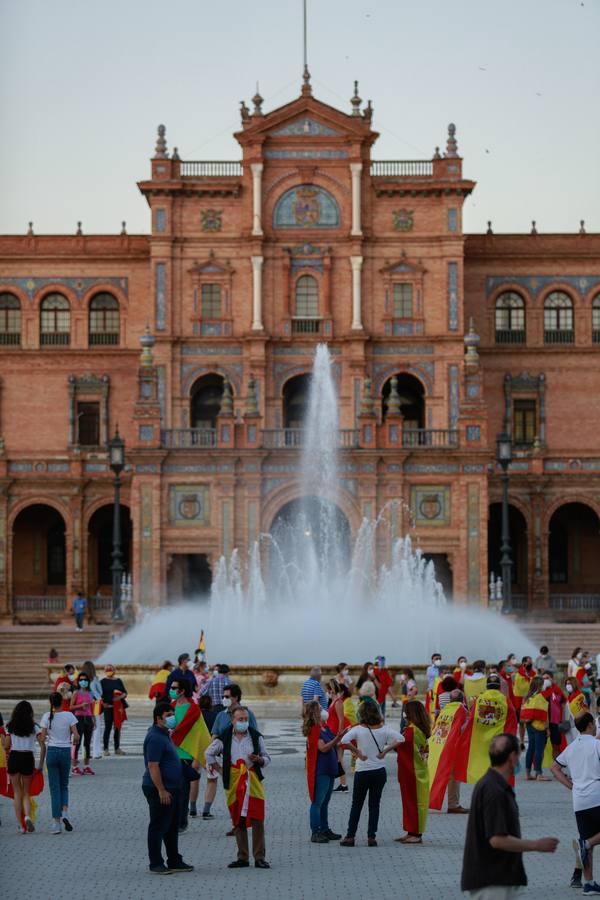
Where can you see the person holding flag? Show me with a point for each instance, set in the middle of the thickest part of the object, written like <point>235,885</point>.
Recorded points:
<point>191,738</point>
<point>521,681</point>
<point>491,715</point>
<point>413,773</point>
<point>158,688</point>
<point>243,757</point>
<point>321,769</point>
<point>535,715</point>
<point>444,743</point>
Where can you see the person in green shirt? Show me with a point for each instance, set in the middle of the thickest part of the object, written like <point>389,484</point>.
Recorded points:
<point>181,693</point>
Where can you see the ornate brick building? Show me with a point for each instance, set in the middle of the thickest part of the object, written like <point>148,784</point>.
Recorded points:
<point>247,267</point>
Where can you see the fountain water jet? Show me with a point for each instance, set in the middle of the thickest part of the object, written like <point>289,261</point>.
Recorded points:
<point>305,594</point>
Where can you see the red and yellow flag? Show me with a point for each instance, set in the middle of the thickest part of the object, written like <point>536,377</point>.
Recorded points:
<point>521,684</point>
<point>36,785</point>
<point>119,713</point>
<point>238,787</point>
<point>312,751</point>
<point>97,707</point>
<point>192,735</point>
<point>491,714</point>
<point>413,776</point>
<point>474,687</point>
<point>535,711</point>
<point>577,704</point>
<point>443,746</point>
<point>202,644</point>
<point>158,688</point>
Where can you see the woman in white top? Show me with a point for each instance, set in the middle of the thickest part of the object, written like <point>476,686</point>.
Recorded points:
<point>59,730</point>
<point>574,663</point>
<point>20,742</point>
<point>372,739</point>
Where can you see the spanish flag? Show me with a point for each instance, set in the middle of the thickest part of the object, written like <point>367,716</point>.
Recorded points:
<point>474,687</point>
<point>119,713</point>
<point>577,704</point>
<point>443,746</point>
<point>431,697</point>
<point>491,714</point>
<point>201,644</point>
<point>158,688</point>
<point>413,776</point>
<point>241,781</point>
<point>350,711</point>
<point>312,752</point>
<point>535,710</point>
<point>97,707</point>
<point>521,684</point>
<point>191,734</point>
<point>36,785</point>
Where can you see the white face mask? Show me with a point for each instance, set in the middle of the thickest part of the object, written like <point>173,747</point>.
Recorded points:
<point>462,664</point>
<point>345,672</point>
<point>226,702</point>
<point>370,671</point>
<point>569,688</point>
<point>324,715</point>
<point>547,683</point>
<point>436,662</point>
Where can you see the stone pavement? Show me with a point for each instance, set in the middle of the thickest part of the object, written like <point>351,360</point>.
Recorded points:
<point>105,856</point>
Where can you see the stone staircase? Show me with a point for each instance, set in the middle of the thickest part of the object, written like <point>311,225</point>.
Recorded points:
<point>562,638</point>
<point>24,654</point>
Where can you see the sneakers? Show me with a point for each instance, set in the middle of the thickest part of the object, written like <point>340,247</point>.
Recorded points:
<point>318,837</point>
<point>207,815</point>
<point>76,770</point>
<point>584,852</point>
<point>29,826</point>
<point>106,753</point>
<point>591,888</point>
<point>193,810</point>
<point>341,789</point>
<point>576,879</point>
<point>120,752</point>
<point>331,835</point>
<point>181,866</point>
<point>159,870</point>
<point>55,828</point>
<point>88,771</point>
<point>67,824</point>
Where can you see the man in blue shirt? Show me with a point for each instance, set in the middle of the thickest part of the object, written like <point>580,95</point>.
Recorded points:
<point>79,607</point>
<point>312,688</point>
<point>161,785</point>
<point>182,670</point>
<point>433,671</point>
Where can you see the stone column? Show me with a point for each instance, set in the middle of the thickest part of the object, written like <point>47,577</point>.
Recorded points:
<point>355,170</point>
<point>257,170</point>
<point>356,263</point>
<point>257,262</point>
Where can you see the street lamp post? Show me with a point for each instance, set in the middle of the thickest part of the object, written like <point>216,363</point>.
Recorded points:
<point>504,458</point>
<point>117,463</point>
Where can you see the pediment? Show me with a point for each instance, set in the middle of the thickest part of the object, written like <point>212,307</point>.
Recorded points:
<point>403,266</point>
<point>211,267</point>
<point>305,126</point>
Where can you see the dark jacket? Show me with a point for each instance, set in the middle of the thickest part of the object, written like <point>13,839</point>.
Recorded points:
<point>226,737</point>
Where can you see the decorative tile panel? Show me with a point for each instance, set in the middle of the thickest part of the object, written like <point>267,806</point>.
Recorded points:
<point>147,469</point>
<point>473,468</point>
<point>306,206</point>
<point>306,154</point>
<point>79,286</point>
<point>473,433</point>
<point>430,504</point>
<point>536,283</point>
<point>432,468</point>
<point>211,350</point>
<point>454,397</point>
<point>161,220</point>
<point>161,296</point>
<point>305,126</point>
<point>473,542</point>
<point>452,296</point>
<point>403,350</point>
<point>146,554</point>
<point>146,432</point>
<point>189,505</point>
<point>452,220</point>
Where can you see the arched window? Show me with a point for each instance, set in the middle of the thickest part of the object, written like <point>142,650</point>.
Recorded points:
<point>306,307</point>
<point>596,319</point>
<point>104,320</point>
<point>510,318</point>
<point>55,321</point>
<point>306,206</point>
<point>558,318</point>
<point>10,319</point>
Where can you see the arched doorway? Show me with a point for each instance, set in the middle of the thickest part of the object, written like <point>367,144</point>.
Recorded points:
<point>189,578</point>
<point>574,555</point>
<point>205,404</point>
<point>296,393</point>
<point>443,572</point>
<point>100,547</point>
<point>39,560</point>
<point>518,550</point>
<point>309,534</point>
<point>411,399</point>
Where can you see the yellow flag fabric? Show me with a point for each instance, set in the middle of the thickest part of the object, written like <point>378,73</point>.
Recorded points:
<point>534,711</point>
<point>491,715</point>
<point>350,711</point>
<point>235,794</point>
<point>474,687</point>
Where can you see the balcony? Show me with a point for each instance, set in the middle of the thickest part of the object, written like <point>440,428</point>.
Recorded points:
<point>510,336</point>
<point>104,339</point>
<point>294,438</point>
<point>559,336</point>
<point>39,604</point>
<point>436,438</point>
<point>575,602</point>
<point>205,168</point>
<point>188,438</point>
<point>306,326</point>
<point>402,168</point>
<point>10,339</point>
<point>55,338</point>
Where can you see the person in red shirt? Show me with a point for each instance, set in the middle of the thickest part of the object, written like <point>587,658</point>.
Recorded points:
<point>385,683</point>
<point>67,678</point>
<point>556,701</point>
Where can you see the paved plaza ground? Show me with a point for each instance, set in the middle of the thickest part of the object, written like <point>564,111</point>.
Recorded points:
<point>105,856</point>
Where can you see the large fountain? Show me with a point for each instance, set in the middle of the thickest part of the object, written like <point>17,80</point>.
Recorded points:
<point>310,593</point>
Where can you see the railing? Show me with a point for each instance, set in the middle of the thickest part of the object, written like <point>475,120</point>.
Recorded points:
<point>31,603</point>
<point>519,602</point>
<point>205,168</point>
<point>402,168</point>
<point>10,338</point>
<point>595,337</point>
<point>444,438</point>
<point>104,339</point>
<point>306,326</point>
<point>510,336</point>
<point>102,604</point>
<point>185,438</point>
<point>574,601</point>
<point>559,336</point>
<point>292,438</point>
<point>55,338</point>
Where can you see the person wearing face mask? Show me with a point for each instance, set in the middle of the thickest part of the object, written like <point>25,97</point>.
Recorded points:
<point>521,682</point>
<point>191,737</point>
<point>321,769</point>
<point>433,671</point>
<point>89,669</point>
<point>556,702</point>
<point>113,702</point>
<point>81,706</point>
<point>66,678</point>
<point>343,675</point>
<point>460,670</point>
<point>243,756</point>
<point>181,670</point>
<point>493,854</point>
<point>367,674</point>
<point>215,688</point>
<point>232,698</point>
<point>161,785</point>
<point>534,713</point>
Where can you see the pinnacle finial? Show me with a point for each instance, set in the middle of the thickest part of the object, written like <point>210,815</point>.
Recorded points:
<point>147,341</point>
<point>123,227</point>
<point>244,111</point>
<point>160,151</point>
<point>355,101</point>
<point>581,226</point>
<point>368,111</point>
<point>175,153</point>
<point>451,144</point>
<point>79,231</point>
<point>489,228</point>
<point>437,154</point>
<point>533,227</point>
<point>393,400</point>
<point>306,85</point>
<point>258,102</point>
<point>226,399</point>
<point>30,229</point>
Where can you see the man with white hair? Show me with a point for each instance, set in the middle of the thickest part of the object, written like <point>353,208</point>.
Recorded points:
<point>312,688</point>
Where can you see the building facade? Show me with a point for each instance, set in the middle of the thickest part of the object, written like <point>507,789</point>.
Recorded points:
<point>440,340</point>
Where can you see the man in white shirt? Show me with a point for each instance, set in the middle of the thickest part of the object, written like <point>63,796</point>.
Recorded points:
<point>582,758</point>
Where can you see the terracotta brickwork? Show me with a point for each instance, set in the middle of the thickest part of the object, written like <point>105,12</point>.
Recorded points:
<point>248,266</point>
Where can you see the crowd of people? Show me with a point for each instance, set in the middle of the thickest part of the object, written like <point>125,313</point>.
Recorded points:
<point>469,725</point>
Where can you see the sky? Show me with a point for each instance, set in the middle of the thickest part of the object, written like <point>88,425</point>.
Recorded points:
<point>84,85</point>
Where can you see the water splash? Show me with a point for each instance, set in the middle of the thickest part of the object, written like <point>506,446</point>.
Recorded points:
<point>307,593</point>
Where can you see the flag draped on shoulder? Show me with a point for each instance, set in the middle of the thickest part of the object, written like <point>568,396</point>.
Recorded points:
<point>413,776</point>
<point>521,684</point>
<point>191,734</point>
<point>244,781</point>
<point>577,703</point>
<point>312,751</point>
<point>535,710</point>
<point>443,747</point>
<point>119,713</point>
<point>491,714</point>
<point>158,688</point>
